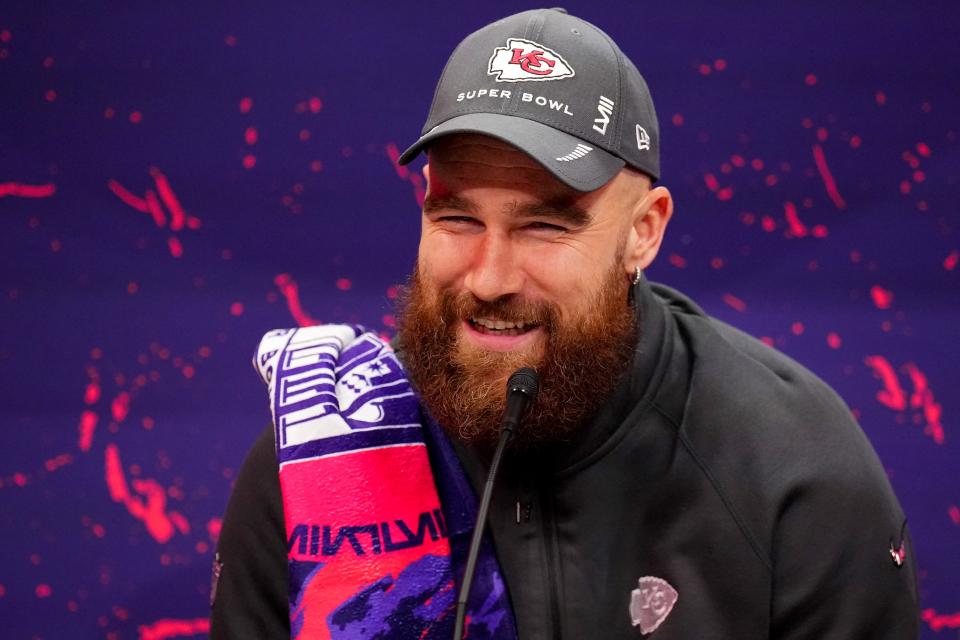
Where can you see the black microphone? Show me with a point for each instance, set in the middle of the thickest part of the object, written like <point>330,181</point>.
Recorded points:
<point>522,388</point>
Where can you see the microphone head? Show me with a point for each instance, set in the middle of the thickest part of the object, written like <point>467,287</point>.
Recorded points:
<point>526,381</point>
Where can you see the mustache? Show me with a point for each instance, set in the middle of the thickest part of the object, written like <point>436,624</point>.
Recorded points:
<point>509,308</point>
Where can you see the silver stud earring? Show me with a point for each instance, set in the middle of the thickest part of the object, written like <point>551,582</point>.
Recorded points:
<point>637,275</point>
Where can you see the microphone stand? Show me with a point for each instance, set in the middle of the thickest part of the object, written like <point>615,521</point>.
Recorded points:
<point>522,390</point>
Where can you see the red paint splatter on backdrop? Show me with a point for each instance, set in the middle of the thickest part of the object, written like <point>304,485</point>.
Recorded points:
<point>734,302</point>
<point>828,181</point>
<point>92,393</point>
<point>54,463</point>
<point>213,528</point>
<point>950,262</point>
<point>178,215</point>
<point>937,621</point>
<point>128,198</point>
<point>88,423</point>
<point>922,398</point>
<point>415,179</point>
<point>677,260</point>
<point>912,160</point>
<point>795,228</point>
<point>882,298</point>
<point>151,508</point>
<point>120,406</point>
<point>291,292</point>
<point>722,193</point>
<point>154,208</point>
<point>19,190</point>
<point>153,205</point>
<point>170,628</point>
<point>892,394</point>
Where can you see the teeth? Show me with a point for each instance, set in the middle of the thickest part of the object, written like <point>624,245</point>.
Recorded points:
<point>498,325</point>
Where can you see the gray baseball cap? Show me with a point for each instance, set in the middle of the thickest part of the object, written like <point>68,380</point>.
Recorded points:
<point>557,88</point>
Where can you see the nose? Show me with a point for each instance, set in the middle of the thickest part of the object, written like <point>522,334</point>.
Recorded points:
<point>495,269</point>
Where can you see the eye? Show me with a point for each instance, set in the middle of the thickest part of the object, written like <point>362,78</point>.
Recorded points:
<point>458,220</point>
<point>458,223</point>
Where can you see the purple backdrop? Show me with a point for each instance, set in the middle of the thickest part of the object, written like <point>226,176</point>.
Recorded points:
<point>176,181</point>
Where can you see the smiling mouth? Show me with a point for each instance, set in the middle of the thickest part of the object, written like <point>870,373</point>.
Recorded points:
<point>502,327</point>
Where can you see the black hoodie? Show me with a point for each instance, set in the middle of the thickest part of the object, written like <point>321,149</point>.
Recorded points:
<point>720,476</point>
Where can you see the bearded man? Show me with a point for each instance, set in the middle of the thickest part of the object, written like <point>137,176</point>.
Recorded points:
<point>675,477</point>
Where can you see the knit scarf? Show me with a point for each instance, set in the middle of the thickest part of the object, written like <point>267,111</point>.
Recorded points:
<point>377,509</point>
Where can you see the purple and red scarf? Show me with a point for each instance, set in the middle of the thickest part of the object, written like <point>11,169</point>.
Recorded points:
<point>378,511</point>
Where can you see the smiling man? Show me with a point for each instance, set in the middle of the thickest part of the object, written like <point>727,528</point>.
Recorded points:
<point>675,479</point>
<point>518,269</point>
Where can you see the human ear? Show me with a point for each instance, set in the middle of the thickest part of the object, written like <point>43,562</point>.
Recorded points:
<point>649,220</point>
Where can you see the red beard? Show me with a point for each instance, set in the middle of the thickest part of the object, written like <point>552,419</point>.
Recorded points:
<point>464,389</point>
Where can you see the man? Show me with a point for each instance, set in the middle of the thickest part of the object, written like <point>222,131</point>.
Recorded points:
<point>675,478</point>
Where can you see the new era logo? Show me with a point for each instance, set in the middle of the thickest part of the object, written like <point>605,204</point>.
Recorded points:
<point>651,603</point>
<point>523,60</point>
<point>643,139</point>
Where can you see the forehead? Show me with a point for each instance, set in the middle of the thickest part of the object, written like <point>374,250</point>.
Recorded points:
<point>465,160</point>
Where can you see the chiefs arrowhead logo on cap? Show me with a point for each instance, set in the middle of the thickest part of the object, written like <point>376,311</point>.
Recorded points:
<point>523,60</point>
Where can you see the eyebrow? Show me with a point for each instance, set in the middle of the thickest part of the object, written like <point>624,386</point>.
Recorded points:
<point>432,204</point>
<point>561,209</point>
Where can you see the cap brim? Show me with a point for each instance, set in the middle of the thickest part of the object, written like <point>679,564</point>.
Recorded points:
<point>579,165</point>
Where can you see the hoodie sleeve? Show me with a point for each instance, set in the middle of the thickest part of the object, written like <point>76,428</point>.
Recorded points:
<point>249,596</point>
<point>842,556</point>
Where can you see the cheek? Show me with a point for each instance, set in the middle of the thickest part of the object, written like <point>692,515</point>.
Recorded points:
<point>440,259</point>
<point>565,274</point>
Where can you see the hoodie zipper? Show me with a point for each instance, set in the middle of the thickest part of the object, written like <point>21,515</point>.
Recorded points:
<point>549,532</point>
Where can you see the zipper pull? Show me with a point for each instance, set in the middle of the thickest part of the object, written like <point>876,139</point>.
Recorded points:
<point>527,509</point>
